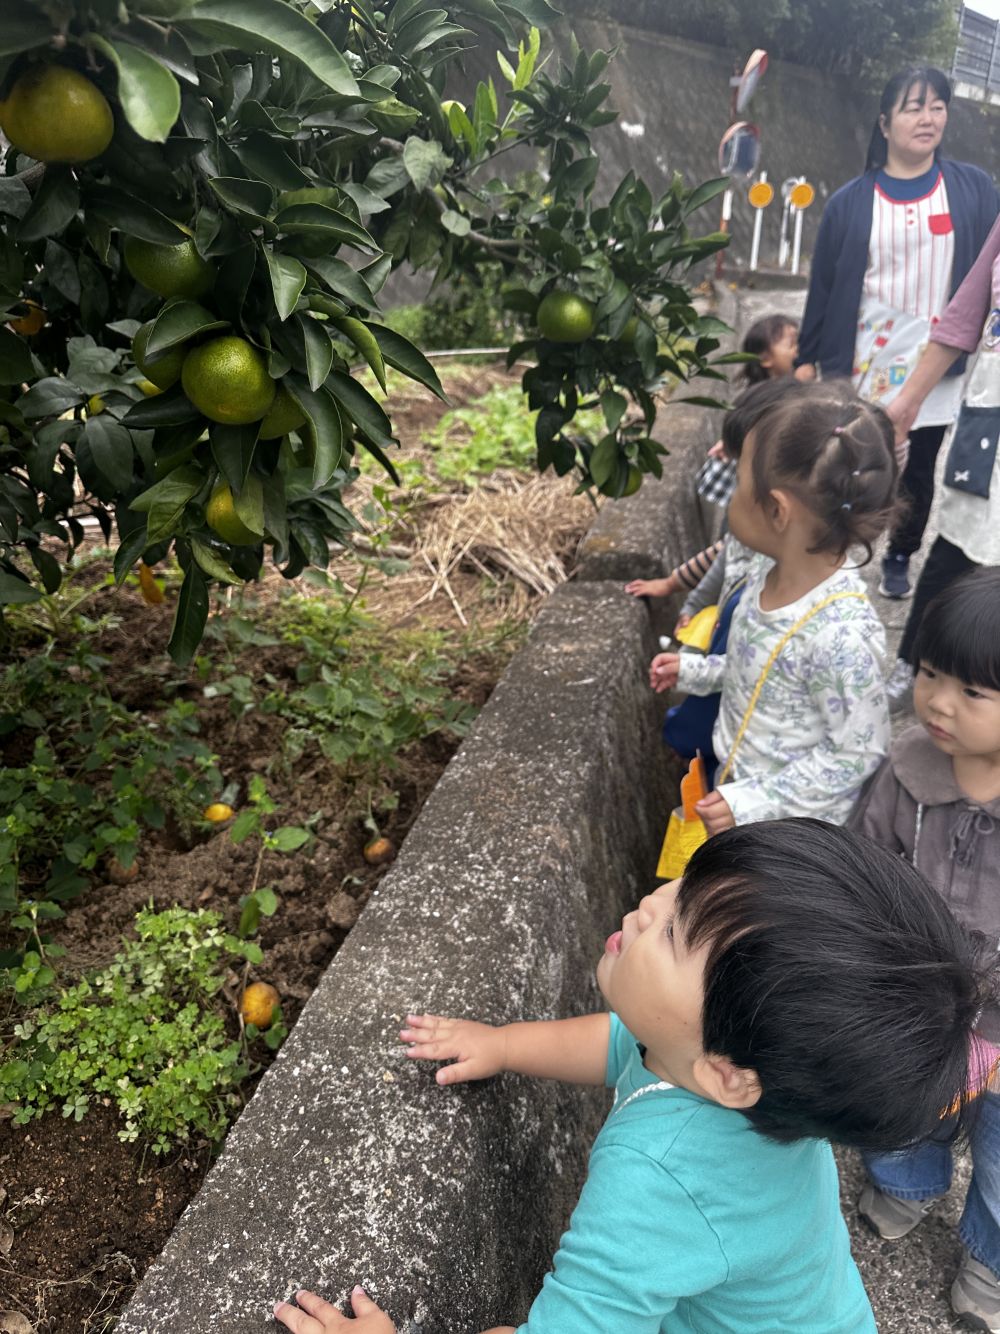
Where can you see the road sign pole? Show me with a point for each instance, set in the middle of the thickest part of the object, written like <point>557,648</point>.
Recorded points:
<point>758,225</point>
<point>797,243</point>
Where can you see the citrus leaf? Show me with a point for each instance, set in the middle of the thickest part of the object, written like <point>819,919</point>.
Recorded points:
<point>212,563</point>
<point>701,194</point>
<point>362,409</point>
<point>177,488</point>
<point>233,450</point>
<point>400,353</point>
<point>343,280</point>
<point>249,504</point>
<point>149,94</point>
<point>171,408</point>
<point>192,613</point>
<point>133,217</point>
<point>176,323</point>
<point>48,567</point>
<point>314,219</point>
<point>23,27</point>
<point>275,26</point>
<point>16,590</point>
<point>288,277</point>
<point>318,350</point>
<point>327,436</point>
<point>128,553</point>
<point>456,223</point>
<point>425,161</point>
<point>15,359</point>
<point>53,207</point>
<point>366,343</point>
<point>111,445</point>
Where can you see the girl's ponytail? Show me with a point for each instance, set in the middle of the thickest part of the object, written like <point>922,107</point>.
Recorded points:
<point>835,454</point>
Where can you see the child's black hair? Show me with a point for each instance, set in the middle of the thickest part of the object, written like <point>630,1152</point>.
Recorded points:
<point>839,975</point>
<point>959,632</point>
<point>906,83</point>
<point>759,338</point>
<point>748,409</point>
<point>835,453</point>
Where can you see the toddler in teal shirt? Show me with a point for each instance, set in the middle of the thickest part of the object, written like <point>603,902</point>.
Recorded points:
<point>799,985</point>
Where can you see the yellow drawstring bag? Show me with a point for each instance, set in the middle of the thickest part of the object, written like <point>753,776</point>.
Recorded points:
<point>699,630</point>
<point>685,830</point>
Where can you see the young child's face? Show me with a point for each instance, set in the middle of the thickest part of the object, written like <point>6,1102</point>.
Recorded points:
<point>656,985</point>
<point>779,359</point>
<point>960,719</point>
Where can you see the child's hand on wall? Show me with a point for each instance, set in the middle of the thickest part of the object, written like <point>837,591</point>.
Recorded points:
<point>653,588</point>
<point>478,1051</point>
<point>663,671</point>
<point>315,1316</point>
<point>715,813</point>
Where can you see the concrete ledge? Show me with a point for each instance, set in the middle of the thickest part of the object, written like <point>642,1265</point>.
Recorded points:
<point>350,1164</point>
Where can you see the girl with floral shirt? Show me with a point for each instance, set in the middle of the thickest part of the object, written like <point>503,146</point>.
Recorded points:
<point>803,715</point>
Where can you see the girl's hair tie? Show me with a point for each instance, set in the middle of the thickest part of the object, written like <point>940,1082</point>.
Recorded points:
<point>847,505</point>
<point>856,472</point>
<point>838,430</point>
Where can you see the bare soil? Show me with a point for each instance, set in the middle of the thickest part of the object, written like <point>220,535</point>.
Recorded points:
<point>82,1215</point>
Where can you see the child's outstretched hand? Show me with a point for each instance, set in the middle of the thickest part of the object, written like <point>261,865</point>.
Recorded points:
<point>663,671</point>
<point>477,1051</point>
<point>715,813</point>
<point>653,588</point>
<point>315,1316</point>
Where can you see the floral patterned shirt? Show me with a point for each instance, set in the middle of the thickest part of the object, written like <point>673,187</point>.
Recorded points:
<point>821,725</point>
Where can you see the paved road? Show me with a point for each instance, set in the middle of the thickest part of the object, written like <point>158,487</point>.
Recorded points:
<point>907,1280</point>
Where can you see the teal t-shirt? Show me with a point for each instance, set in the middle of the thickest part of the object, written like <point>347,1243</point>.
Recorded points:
<point>690,1222</point>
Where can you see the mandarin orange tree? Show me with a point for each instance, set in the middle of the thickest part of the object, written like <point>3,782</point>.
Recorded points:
<point>200,201</point>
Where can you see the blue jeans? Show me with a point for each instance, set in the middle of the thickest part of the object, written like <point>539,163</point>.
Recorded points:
<point>917,1174</point>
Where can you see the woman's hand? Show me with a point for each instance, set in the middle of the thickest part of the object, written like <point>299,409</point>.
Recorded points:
<point>806,372</point>
<point>315,1316</point>
<point>715,813</point>
<point>664,671</point>
<point>478,1051</point>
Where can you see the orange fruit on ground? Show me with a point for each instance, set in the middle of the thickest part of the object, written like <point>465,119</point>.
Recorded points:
<point>564,317</point>
<point>257,1004</point>
<point>221,517</point>
<point>380,851</point>
<point>170,270</point>
<point>31,323</point>
<point>227,380</point>
<point>164,370</point>
<point>218,812</point>
<point>122,875</point>
<point>55,114</point>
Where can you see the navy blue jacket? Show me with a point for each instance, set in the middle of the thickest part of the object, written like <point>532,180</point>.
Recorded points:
<point>840,259</point>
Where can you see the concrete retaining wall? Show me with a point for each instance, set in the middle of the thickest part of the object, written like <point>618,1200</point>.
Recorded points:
<point>350,1164</point>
